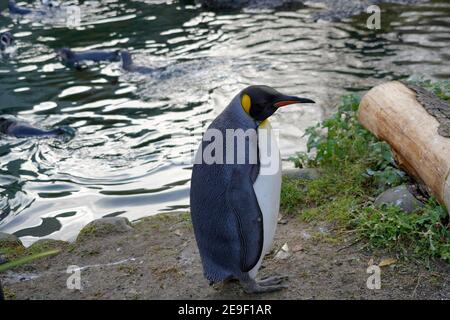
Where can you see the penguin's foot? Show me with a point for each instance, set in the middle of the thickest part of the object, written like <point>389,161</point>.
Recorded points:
<point>270,284</point>
<point>272,281</point>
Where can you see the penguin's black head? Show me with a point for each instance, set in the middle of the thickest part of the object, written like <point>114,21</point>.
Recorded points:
<point>260,102</point>
<point>6,40</point>
<point>66,55</point>
<point>4,124</point>
<point>48,3</point>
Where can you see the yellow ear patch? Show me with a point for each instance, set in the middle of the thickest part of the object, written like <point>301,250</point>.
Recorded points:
<point>264,124</point>
<point>246,103</point>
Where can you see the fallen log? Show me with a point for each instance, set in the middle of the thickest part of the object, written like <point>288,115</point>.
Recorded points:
<point>393,113</point>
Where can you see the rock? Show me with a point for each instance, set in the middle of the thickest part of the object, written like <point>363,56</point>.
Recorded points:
<point>9,240</point>
<point>3,259</point>
<point>105,226</point>
<point>305,235</point>
<point>283,253</point>
<point>47,244</point>
<point>281,220</point>
<point>305,173</point>
<point>399,196</point>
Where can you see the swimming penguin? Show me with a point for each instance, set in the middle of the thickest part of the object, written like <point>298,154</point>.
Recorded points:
<point>6,41</point>
<point>128,64</point>
<point>50,4</point>
<point>46,5</point>
<point>21,130</point>
<point>234,204</point>
<point>73,59</point>
<point>15,9</point>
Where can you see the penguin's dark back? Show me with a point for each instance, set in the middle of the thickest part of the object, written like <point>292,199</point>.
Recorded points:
<point>215,226</point>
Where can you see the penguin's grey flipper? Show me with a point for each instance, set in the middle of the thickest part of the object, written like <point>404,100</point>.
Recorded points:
<point>244,204</point>
<point>252,286</point>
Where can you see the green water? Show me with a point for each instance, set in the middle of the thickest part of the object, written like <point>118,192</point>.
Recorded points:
<point>135,133</point>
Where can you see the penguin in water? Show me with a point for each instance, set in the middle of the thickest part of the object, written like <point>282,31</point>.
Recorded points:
<point>22,11</point>
<point>234,204</point>
<point>6,41</point>
<point>15,9</point>
<point>128,64</point>
<point>22,130</point>
<point>74,59</point>
<point>50,4</point>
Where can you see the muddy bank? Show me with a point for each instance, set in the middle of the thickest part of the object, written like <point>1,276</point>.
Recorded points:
<point>158,259</point>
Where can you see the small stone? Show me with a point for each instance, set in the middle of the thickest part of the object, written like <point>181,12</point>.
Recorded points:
<point>105,226</point>
<point>9,240</point>
<point>132,291</point>
<point>305,235</point>
<point>283,253</point>
<point>304,173</point>
<point>3,259</point>
<point>178,232</point>
<point>323,230</point>
<point>338,262</point>
<point>399,196</point>
<point>281,220</point>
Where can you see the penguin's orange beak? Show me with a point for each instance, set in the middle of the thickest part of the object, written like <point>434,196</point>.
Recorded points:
<point>287,100</point>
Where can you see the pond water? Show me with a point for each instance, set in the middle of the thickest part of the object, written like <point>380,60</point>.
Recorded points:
<point>135,133</point>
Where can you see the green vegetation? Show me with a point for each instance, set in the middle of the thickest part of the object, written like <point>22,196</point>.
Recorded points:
<point>423,232</point>
<point>356,168</point>
<point>18,255</point>
<point>27,260</point>
<point>88,230</point>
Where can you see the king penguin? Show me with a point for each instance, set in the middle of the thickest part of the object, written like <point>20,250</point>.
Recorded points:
<point>235,192</point>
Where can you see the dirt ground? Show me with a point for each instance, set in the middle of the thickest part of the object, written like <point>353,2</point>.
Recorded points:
<point>159,260</point>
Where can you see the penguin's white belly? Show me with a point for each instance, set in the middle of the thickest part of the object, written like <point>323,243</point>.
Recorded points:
<point>268,188</point>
